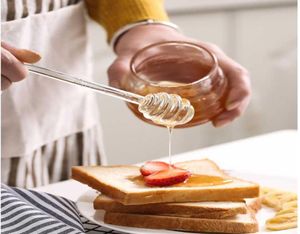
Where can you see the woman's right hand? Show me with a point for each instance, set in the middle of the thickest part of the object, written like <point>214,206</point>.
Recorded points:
<point>12,67</point>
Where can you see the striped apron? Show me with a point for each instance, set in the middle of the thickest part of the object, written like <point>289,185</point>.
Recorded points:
<point>48,126</point>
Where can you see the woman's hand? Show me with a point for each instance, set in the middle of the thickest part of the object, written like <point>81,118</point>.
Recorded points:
<point>12,67</point>
<point>141,36</point>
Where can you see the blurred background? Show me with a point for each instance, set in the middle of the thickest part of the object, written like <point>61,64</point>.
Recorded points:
<point>259,34</point>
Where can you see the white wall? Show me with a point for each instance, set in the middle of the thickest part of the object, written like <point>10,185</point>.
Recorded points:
<point>261,35</point>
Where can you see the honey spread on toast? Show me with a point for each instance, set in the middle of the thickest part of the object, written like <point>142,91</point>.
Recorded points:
<point>193,181</point>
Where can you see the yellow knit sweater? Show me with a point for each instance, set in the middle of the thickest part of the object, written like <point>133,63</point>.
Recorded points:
<point>114,14</point>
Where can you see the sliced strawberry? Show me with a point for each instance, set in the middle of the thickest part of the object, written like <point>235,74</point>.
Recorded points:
<point>152,167</point>
<point>167,177</point>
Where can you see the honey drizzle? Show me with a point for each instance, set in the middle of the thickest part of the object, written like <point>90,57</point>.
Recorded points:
<point>171,110</point>
<point>170,131</point>
<point>204,180</point>
<point>196,180</point>
<point>168,110</point>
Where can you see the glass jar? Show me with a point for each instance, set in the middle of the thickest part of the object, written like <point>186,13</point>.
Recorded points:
<point>182,68</point>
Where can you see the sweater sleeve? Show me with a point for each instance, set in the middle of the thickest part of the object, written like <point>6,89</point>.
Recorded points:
<point>114,14</point>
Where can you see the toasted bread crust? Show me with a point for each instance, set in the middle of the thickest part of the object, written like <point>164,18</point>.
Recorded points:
<point>208,215</point>
<point>181,223</point>
<point>180,209</point>
<point>254,204</point>
<point>222,194</point>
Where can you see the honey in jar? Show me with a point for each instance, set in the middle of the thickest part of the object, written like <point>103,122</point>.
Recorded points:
<point>186,69</point>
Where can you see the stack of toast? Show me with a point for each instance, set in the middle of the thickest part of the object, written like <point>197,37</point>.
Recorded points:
<point>220,208</point>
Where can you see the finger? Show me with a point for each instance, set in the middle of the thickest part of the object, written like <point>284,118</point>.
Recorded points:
<point>238,82</point>
<point>118,71</point>
<point>238,78</point>
<point>26,56</point>
<point>5,82</point>
<point>11,67</point>
<point>228,116</point>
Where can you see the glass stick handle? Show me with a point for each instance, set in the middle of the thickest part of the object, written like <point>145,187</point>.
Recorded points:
<point>104,89</point>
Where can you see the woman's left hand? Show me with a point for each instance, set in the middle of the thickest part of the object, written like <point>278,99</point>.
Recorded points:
<point>238,78</point>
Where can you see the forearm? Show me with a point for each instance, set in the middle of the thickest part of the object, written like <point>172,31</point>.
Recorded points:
<point>114,14</point>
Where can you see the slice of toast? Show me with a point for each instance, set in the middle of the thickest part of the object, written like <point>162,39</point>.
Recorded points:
<point>187,209</point>
<point>242,223</point>
<point>119,182</point>
<point>254,204</point>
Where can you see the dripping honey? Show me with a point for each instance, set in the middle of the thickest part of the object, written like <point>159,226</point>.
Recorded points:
<point>185,69</point>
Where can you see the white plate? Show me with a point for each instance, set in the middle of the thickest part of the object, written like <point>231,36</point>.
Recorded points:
<point>85,206</point>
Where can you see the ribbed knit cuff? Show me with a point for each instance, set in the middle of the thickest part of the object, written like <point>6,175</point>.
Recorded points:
<point>114,14</point>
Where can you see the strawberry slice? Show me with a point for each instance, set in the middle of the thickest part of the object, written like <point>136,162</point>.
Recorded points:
<point>167,177</point>
<point>152,167</point>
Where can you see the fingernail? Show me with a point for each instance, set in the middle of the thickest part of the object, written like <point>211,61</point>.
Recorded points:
<point>220,123</point>
<point>28,56</point>
<point>232,105</point>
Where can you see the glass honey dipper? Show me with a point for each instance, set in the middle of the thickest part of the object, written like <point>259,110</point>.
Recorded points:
<point>162,108</point>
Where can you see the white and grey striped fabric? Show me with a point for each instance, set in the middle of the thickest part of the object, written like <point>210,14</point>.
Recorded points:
<point>17,9</point>
<point>53,162</point>
<point>27,211</point>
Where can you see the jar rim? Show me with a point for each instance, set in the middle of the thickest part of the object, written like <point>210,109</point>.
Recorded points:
<point>198,81</point>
